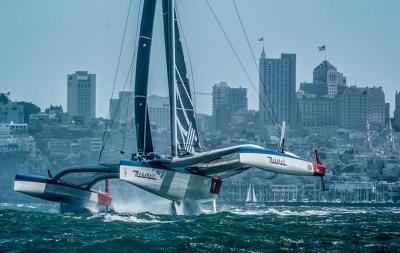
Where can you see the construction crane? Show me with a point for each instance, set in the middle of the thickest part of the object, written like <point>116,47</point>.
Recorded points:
<point>203,93</point>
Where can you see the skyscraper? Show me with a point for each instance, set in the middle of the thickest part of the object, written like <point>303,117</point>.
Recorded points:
<point>159,112</point>
<point>278,80</point>
<point>397,111</point>
<point>122,108</point>
<point>326,75</point>
<point>226,101</point>
<point>358,106</point>
<point>387,113</point>
<point>220,97</point>
<point>314,89</point>
<point>81,100</point>
<point>316,114</point>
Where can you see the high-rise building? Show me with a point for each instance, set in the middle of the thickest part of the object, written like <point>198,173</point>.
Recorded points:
<point>81,100</point>
<point>387,113</point>
<point>122,108</point>
<point>327,76</point>
<point>226,101</point>
<point>159,111</point>
<point>397,111</point>
<point>220,97</point>
<point>278,85</point>
<point>314,89</point>
<point>359,106</point>
<point>316,114</point>
<point>238,99</point>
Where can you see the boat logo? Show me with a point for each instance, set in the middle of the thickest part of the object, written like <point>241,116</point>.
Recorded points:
<point>147,175</point>
<point>278,161</point>
<point>125,171</point>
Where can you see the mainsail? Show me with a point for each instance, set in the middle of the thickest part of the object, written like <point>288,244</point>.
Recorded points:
<point>187,139</point>
<point>143,134</point>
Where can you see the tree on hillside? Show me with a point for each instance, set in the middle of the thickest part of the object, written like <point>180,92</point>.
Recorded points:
<point>57,109</point>
<point>29,108</point>
<point>4,98</point>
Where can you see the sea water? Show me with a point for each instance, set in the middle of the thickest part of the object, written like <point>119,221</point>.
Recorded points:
<point>255,228</point>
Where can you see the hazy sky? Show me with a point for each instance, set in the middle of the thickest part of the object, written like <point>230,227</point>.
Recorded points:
<point>41,41</point>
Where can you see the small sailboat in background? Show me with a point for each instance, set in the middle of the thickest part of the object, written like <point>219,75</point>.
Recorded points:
<point>251,195</point>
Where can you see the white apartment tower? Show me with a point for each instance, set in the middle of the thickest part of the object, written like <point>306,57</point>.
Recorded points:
<point>81,100</point>
<point>278,89</point>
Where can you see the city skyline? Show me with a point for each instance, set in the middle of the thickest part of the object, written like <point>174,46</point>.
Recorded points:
<point>199,125</point>
<point>358,48</point>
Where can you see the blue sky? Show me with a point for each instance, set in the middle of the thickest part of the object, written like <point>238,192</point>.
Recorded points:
<point>41,41</point>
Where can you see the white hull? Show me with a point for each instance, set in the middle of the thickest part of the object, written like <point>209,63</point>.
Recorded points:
<point>73,196</point>
<point>278,163</point>
<point>250,156</point>
<point>173,185</point>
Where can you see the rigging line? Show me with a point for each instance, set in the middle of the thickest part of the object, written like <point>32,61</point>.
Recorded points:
<point>255,63</point>
<point>189,58</point>
<point>127,111</point>
<point>118,105</point>
<point>131,78</point>
<point>116,73</point>
<point>234,51</point>
<point>146,113</point>
<point>107,133</point>
<point>254,59</point>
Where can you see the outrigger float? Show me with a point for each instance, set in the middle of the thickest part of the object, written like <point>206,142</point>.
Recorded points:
<point>72,187</point>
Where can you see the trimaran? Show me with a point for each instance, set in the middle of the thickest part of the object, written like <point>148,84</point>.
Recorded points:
<point>189,176</point>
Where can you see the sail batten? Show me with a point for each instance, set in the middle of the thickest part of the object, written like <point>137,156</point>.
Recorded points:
<point>187,139</point>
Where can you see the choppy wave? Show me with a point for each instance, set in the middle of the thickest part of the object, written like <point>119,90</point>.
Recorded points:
<point>135,218</point>
<point>39,207</point>
<point>308,211</point>
<point>285,212</point>
<point>40,227</point>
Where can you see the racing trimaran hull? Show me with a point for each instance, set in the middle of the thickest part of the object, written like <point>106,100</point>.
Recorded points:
<point>72,198</point>
<point>202,181</point>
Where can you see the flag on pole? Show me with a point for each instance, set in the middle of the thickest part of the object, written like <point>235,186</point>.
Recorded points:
<point>322,48</point>
<point>261,39</point>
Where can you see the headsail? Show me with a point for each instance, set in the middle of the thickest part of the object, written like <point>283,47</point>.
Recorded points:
<point>187,139</point>
<point>143,134</point>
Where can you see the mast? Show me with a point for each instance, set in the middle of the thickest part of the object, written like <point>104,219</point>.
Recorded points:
<point>143,131</point>
<point>171,75</point>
